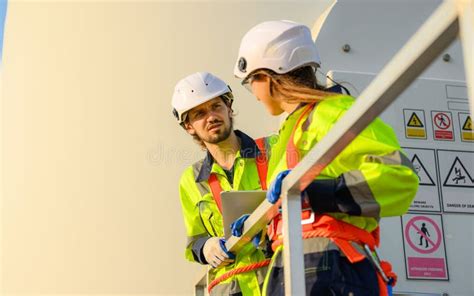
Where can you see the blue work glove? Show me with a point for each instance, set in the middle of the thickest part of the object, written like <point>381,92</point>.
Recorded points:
<point>222,242</point>
<point>389,290</point>
<point>237,227</point>
<point>273,193</point>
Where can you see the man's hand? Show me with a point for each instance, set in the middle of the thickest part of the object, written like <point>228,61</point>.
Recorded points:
<point>215,253</point>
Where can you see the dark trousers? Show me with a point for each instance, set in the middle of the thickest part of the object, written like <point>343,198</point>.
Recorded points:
<point>327,273</point>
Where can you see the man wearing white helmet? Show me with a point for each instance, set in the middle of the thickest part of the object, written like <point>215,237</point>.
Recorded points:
<point>202,104</point>
<point>342,207</point>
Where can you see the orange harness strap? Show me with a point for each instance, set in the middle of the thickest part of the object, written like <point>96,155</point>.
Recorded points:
<point>341,234</point>
<point>216,190</point>
<point>236,271</point>
<point>262,163</point>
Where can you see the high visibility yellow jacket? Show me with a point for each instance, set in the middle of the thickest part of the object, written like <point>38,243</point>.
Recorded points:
<point>371,178</point>
<point>203,219</point>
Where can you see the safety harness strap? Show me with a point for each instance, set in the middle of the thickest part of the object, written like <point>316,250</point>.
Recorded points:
<point>262,162</point>
<point>262,167</point>
<point>236,271</point>
<point>216,190</point>
<point>341,233</point>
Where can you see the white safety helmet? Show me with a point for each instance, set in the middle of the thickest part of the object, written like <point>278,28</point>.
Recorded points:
<point>280,46</point>
<point>196,89</point>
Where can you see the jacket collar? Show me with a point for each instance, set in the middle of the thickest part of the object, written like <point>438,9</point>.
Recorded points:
<point>248,149</point>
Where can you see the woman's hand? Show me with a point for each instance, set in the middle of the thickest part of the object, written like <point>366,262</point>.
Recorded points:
<point>274,192</point>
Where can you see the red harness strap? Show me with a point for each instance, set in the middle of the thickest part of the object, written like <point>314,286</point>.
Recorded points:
<point>216,190</point>
<point>262,168</point>
<point>236,271</point>
<point>342,234</point>
<point>292,159</point>
<point>262,162</point>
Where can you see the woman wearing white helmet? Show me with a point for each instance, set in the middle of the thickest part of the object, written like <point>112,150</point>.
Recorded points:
<point>368,180</point>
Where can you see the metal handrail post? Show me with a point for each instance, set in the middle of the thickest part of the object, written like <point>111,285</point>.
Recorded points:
<point>466,28</point>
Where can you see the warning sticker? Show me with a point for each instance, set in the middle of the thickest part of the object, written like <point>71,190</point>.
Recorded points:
<point>442,125</point>
<point>458,176</point>
<point>424,163</point>
<point>456,172</point>
<point>414,124</point>
<point>467,126</point>
<point>423,242</point>
<point>465,122</point>
<point>414,121</point>
<point>423,175</point>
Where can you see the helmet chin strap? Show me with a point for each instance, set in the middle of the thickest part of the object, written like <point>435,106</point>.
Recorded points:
<point>335,82</point>
<point>175,113</point>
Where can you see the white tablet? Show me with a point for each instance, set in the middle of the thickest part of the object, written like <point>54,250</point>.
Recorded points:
<point>238,203</point>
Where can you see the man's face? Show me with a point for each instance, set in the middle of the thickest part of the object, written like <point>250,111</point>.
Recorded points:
<point>210,121</point>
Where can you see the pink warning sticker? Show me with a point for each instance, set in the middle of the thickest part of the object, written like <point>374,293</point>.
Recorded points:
<point>426,267</point>
<point>423,242</point>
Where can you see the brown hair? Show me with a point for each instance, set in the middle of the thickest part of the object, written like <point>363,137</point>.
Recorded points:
<point>199,141</point>
<point>297,86</point>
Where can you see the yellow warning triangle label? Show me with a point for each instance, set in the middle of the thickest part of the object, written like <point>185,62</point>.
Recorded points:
<point>414,121</point>
<point>467,126</point>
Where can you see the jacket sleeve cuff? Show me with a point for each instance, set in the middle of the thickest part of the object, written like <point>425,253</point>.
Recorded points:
<point>197,249</point>
<point>331,196</point>
<point>322,195</point>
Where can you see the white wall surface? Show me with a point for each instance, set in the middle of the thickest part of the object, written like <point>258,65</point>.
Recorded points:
<point>91,155</point>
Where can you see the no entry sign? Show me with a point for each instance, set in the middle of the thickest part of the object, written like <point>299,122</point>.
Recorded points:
<point>423,240</point>
<point>442,125</point>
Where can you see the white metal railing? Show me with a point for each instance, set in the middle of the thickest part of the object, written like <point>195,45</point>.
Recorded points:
<point>200,287</point>
<point>435,35</point>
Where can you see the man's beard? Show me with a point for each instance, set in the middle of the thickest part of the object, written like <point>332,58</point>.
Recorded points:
<point>219,137</point>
